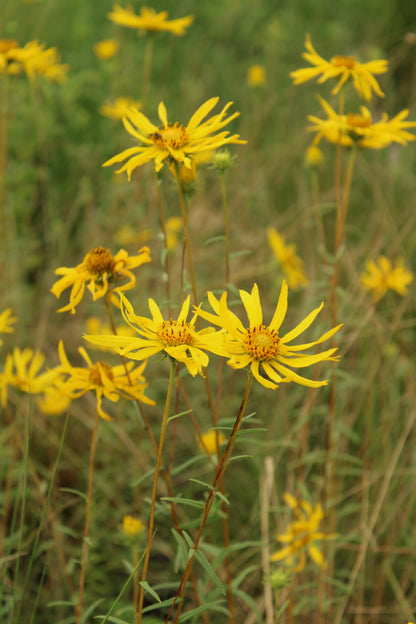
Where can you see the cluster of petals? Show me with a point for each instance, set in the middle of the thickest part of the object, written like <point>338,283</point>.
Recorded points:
<point>101,272</point>
<point>360,129</point>
<point>173,142</point>
<point>149,21</point>
<point>35,59</point>
<point>301,535</point>
<point>7,320</point>
<point>287,257</point>
<point>269,355</point>
<point>342,68</point>
<point>381,275</point>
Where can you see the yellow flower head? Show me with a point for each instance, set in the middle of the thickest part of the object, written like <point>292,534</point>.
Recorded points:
<point>178,339</point>
<point>173,141</point>
<point>106,49</point>
<point>6,379</point>
<point>208,442</point>
<point>132,526</point>
<point>382,276</point>
<point>313,156</point>
<point>37,60</point>
<point>174,226</point>
<point>343,69</point>
<point>101,271</point>
<point>106,381</point>
<point>286,255</point>
<point>260,345</point>
<point>301,535</point>
<point>256,76</point>
<point>149,21</point>
<point>359,128</point>
<point>53,402</point>
<point>119,107</point>
<point>6,322</point>
<point>27,375</point>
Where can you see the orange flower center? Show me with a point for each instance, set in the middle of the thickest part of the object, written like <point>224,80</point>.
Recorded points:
<point>343,61</point>
<point>172,136</point>
<point>100,261</point>
<point>359,121</point>
<point>172,333</point>
<point>262,342</point>
<point>7,44</point>
<point>96,370</point>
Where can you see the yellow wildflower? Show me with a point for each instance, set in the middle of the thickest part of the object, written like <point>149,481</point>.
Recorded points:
<point>99,269</point>
<point>173,141</point>
<point>313,156</point>
<point>132,526</point>
<point>6,48</point>
<point>119,107</point>
<point>96,327</point>
<point>6,379</point>
<point>286,255</point>
<point>53,402</point>
<point>301,535</point>
<point>6,322</point>
<point>27,365</point>
<point>37,60</point>
<point>106,381</point>
<point>208,442</point>
<point>106,49</point>
<point>256,76</point>
<point>260,345</point>
<point>178,339</point>
<point>359,128</point>
<point>149,21</point>
<point>343,68</point>
<point>173,227</point>
<point>382,276</point>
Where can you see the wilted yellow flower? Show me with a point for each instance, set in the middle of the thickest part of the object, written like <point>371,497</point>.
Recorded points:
<point>359,128</point>
<point>101,271</point>
<point>343,68</point>
<point>287,257</point>
<point>53,402</point>
<point>382,276</point>
<point>149,21</point>
<point>106,49</point>
<point>173,141</point>
<point>178,339</point>
<point>256,76</point>
<point>119,108</point>
<point>106,381</point>
<point>260,345</point>
<point>132,526</point>
<point>301,535</point>
<point>6,322</point>
<point>208,442</point>
<point>36,60</point>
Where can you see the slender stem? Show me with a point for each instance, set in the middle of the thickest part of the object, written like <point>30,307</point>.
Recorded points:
<point>226,231</point>
<point>165,238</point>
<point>186,233</point>
<point>3,160</point>
<point>147,69</point>
<point>173,366</point>
<point>210,499</point>
<point>87,520</point>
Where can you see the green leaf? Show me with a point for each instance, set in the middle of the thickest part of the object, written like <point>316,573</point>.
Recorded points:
<point>76,492</point>
<point>184,501</point>
<point>201,558</point>
<point>179,415</point>
<point>214,239</point>
<point>209,487</point>
<point>211,606</point>
<point>150,590</point>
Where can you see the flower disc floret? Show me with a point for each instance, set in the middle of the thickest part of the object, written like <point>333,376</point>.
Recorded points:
<point>262,342</point>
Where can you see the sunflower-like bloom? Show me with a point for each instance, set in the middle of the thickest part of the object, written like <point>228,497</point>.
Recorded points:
<point>173,141</point>
<point>178,339</point>
<point>119,107</point>
<point>100,270</point>
<point>149,21</point>
<point>301,535</point>
<point>106,49</point>
<point>359,128</point>
<point>106,381</point>
<point>6,322</point>
<point>36,60</point>
<point>342,68</point>
<point>381,276</point>
<point>287,257</point>
<point>261,346</point>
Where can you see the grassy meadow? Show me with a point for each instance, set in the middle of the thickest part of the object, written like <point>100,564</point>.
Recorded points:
<point>140,483</point>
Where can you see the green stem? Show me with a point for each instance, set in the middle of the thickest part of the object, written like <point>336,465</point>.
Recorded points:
<point>226,231</point>
<point>147,69</point>
<point>186,233</point>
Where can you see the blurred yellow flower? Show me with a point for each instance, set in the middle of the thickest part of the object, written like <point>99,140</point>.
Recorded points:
<point>208,442</point>
<point>343,68</point>
<point>119,107</point>
<point>53,402</point>
<point>359,128</point>
<point>132,526</point>
<point>106,49</point>
<point>178,339</point>
<point>149,21</point>
<point>6,48</point>
<point>301,535</point>
<point>95,326</point>
<point>101,271</point>
<point>256,76</point>
<point>260,345</point>
<point>106,381</point>
<point>286,255</point>
<point>128,235</point>
<point>27,375</point>
<point>173,141</point>
<point>6,379</point>
<point>6,322</point>
<point>382,276</point>
<point>173,226</point>
<point>313,156</point>
<point>35,60</point>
